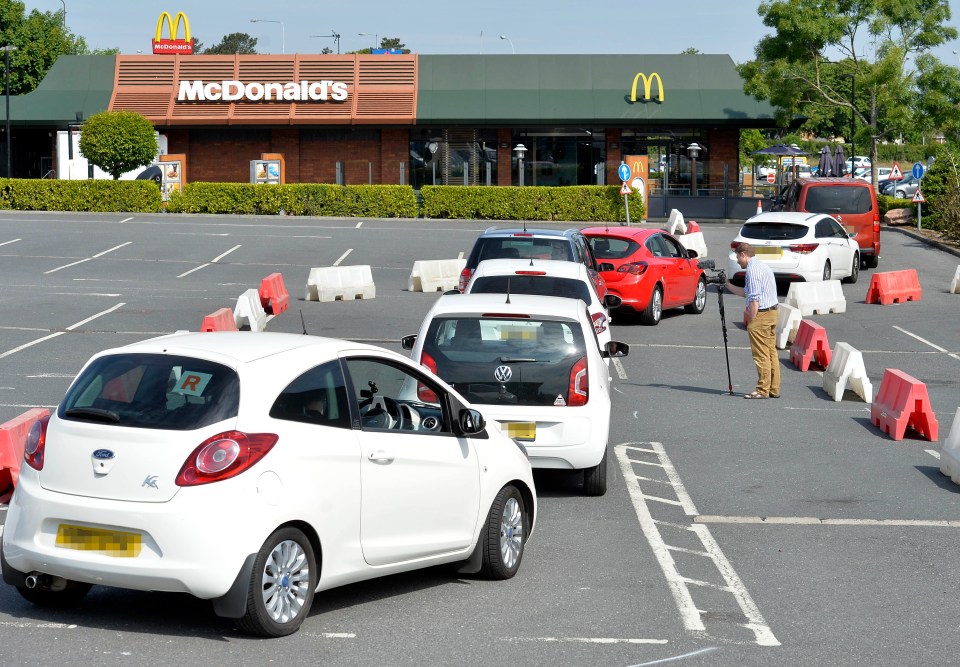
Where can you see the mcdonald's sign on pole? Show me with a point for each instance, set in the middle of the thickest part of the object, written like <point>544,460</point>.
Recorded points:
<point>172,45</point>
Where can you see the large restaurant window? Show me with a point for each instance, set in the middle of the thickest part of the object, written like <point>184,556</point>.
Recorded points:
<point>453,157</point>
<point>671,168</point>
<point>565,156</point>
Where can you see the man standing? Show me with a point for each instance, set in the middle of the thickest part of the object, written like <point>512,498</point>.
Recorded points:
<point>760,290</point>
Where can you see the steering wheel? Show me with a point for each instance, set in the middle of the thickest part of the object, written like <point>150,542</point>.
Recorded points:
<point>390,416</point>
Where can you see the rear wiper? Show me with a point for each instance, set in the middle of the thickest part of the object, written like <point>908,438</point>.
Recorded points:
<point>94,413</point>
<point>518,360</point>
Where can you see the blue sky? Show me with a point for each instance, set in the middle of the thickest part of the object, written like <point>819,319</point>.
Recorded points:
<point>431,27</point>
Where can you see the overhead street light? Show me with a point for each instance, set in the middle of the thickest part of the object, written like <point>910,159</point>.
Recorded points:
<point>334,35</point>
<point>376,39</point>
<point>511,43</point>
<point>283,32</point>
<point>6,87</point>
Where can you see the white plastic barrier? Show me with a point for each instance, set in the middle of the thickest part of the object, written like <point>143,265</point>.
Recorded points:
<point>950,452</point>
<point>788,321</point>
<point>435,275</point>
<point>694,241</point>
<point>817,298</point>
<point>846,368</point>
<point>332,283</point>
<point>249,311</point>
<point>955,283</point>
<point>675,222</point>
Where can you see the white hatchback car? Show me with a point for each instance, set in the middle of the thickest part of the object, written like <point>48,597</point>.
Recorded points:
<point>546,277</point>
<point>798,246</point>
<point>257,469</point>
<point>532,364</point>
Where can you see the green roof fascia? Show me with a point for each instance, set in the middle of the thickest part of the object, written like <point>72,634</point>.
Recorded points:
<point>74,83</point>
<point>577,89</point>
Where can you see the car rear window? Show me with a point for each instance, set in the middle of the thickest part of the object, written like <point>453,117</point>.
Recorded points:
<point>155,391</point>
<point>506,361</point>
<point>524,247</point>
<point>611,248</point>
<point>538,285</point>
<point>773,231</point>
<point>838,199</point>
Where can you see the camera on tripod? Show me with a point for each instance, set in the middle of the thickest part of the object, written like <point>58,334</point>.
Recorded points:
<point>719,279</point>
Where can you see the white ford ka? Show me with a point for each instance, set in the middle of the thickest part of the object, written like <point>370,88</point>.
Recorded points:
<point>257,469</point>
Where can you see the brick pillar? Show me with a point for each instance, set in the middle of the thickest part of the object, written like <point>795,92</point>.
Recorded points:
<point>614,155</point>
<point>394,149</point>
<point>287,142</point>
<point>724,149</point>
<point>504,156</point>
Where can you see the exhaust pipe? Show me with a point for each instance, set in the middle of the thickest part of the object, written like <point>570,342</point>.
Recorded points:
<point>44,581</point>
<point>33,580</point>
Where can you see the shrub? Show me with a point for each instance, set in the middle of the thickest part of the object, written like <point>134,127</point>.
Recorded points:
<point>941,189</point>
<point>98,196</point>
<point>589,203</point>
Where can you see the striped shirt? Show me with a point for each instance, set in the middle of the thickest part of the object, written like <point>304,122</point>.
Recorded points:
<point>759,284</point>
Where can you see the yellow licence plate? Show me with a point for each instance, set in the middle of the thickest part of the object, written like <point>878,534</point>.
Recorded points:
<point>768,252</point>
<point>109,542</point>
<point>522,430</point>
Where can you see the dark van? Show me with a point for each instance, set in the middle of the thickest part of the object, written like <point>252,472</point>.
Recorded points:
<point>851,201</point>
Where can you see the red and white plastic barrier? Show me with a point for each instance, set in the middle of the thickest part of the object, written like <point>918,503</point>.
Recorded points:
<point>950,453</point>
<point>846,371</point>
<point>438,275</point>
<point>273,294</point>
<point>788,322</point>
<point>889,287</point>
<point>340,283</point>
<point>811,344</point>
<point>249,311</point>
<point>902,402</point>
<point>817,298</point>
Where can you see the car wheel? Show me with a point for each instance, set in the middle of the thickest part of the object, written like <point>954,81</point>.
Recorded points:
<point>504,535</point>
<point>700,300</point>
<point>901,194</point>
<point>651,315</point>
<point>826,271</point>
<point>595,478</point>
<point>43,597</point>
<point>854,270</point>
<point>281,586</point>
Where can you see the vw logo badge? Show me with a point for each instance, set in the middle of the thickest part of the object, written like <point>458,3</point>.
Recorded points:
<point>503,373</point>
<point>103,454</point>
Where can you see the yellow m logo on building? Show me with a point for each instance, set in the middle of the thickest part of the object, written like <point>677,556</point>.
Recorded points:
<point>647,86</point>
<point>171,44</point>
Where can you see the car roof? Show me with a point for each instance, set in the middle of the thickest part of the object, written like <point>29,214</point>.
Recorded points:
<point>552,267</point>
<point>515,304</point>
<point>834,180</point>
<point>527,231</point>
<point>635,233</point>
<point>786,217</point>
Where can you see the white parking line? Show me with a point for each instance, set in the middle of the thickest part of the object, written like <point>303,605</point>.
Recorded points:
<point>23,624</point>
<point>330,635</point>
<point>99,254</point>
<point>815,521</point>
<point>584,640</point>
<point>212,261</point>
<point>126,220</point>
<point>709,649</point>
<point>926,342</point>
<point>620,372</point>
<point>934,453</point>
<point>60,333</point>
<point>343,257</point>
<point>9,242</point>
<point>357,226</point>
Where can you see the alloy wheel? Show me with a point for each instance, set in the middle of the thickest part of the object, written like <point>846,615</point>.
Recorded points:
<point>286,581</point>
<point>511,533</point>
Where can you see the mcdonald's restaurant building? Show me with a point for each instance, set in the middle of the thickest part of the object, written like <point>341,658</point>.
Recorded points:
<point>413,119</point>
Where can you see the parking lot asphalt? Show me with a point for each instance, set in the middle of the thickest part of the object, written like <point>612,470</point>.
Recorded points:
<point>788,531</point>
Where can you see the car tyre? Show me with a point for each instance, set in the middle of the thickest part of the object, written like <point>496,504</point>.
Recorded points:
<point>282,584</point>
<point>700,300</point>
<point>826,271</point>
<point>854,270</point>
<point>504,534</point>
<point>654,310</point>
<point>595,478</point>
<point>901,194</point>
<point>68,597</point>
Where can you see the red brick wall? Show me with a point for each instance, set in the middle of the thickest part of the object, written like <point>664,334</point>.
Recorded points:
<point>286,141</point>
<point>504,156</point>
<point>614,155</point>
<point>724,149</point>
<point>318,161</point>
<point>394,149</point>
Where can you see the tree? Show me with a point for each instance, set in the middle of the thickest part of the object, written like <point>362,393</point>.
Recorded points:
<point>690,51</point>
<point>118,141</point>
<point>40,38</point>
<point>386,43</point>
<point>235,42</point>
<point>811,63</point>
<point>750,142</point>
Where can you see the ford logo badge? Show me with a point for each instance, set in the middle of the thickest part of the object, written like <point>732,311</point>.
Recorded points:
<point>103,454</point>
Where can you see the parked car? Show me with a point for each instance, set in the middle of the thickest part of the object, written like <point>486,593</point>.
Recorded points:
<point>798,246</point>
<point>856,162</point>
<point>866,174</point>
<point>566,245</point>
<point>256,469</point>
<point>650,270</point>
<point>851,201</point>
<point>532,365</point>
<point>902,189</point>
<point>546,277</point>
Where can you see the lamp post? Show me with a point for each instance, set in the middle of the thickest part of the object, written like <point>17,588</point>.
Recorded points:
<point>333,35</point>
<point>511,45</point>
<point>62,2</point>
<point>376,38</point>
<point>693,150</point>
<point>283,32</point>
<point>6,88</point>
<point>957,54</point>
<point>520,150</point>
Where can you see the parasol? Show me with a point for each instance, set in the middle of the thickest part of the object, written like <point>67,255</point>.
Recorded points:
<point>839,162</point>
<point>826,163</point>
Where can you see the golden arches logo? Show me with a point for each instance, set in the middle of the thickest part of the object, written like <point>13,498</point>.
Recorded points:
<point>172,45</point>
<point>647,86</point>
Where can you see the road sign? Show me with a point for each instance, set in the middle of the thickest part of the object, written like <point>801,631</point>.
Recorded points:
<point>918,197</point>
<point>625,188</point>
<point>896,174</point>
<point>771,177</point>
<point>624,171</point>
<point>918,170</point>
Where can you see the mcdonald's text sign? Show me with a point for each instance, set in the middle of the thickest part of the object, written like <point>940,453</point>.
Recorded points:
<point>647,87</point>
<point>172,45</point>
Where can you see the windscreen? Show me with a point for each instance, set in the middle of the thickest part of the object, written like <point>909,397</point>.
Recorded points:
<point>838,199</point>
<point>773,231</point>
<point>153,391</point>
<point>539,285</point>
<point>506,361</point>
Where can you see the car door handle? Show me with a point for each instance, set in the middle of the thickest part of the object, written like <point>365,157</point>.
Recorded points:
<point>380,456</point>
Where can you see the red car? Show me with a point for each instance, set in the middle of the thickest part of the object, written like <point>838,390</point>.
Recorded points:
<point>652,270</point>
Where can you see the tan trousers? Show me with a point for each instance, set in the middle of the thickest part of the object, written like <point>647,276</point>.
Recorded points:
<point>763,344</point>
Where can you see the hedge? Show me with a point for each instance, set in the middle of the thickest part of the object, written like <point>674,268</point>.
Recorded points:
<point>602,203</point>
<point>95,196</point>
<point>886,203</point>
<point>375,201</point>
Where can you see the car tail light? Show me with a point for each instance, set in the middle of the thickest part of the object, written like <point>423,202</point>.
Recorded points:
<point>36,443</point>
<point>464,279</point>
<point>579,383</point>
<point>223,456</point>
<point>803,248</point>
<point>633,268</point>
<point>425,393</point>
<point>734,245</point>
<point>599,322</point>
<point>876,223</point>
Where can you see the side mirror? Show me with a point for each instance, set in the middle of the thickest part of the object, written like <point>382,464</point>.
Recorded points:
<point>615,349</point>
<point>407,342</point>
<point>605,266</point>
<point>692,254</point>
<point>471,422</point>
<point>612,301</point>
